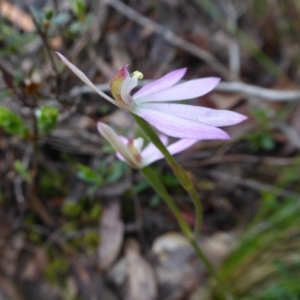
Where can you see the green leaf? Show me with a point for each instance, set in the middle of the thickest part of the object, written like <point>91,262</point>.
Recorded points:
<point>47,118</point>
<point>12,123</point>
<point>61,19</point>
<point>48,14</point>
<point>22,171</point>
<point>88,175</point>
<point>72,209</point>
<point>116,172</point>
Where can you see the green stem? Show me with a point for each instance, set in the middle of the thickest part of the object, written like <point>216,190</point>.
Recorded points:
<point>153,179</point>
<point>156,184</point>
<point>179,172</point>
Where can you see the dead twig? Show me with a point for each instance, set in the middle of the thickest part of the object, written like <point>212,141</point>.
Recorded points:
<point>232,87</point>
<point>170,37</point>
<point>253,184</point>
<point>234,158</point>
<point>94,32</point>
<point>49,52</point>
<point>290,132</point>
<point>264,93</point>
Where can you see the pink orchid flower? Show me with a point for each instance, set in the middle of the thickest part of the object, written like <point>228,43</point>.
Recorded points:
<point>176,120</point>
<point>130,150</point>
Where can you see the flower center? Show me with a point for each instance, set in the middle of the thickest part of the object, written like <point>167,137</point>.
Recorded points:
<point>138,75</point>
<point>133,149</point>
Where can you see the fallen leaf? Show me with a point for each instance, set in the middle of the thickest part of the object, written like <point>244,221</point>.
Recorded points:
<point>17,16</point>
<point>142,283</point>
<point>169,243</point>
<point>177,268</point>
<point>218,246</point>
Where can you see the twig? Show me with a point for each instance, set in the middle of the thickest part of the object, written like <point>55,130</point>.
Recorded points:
<point>194,161</point>
<point>95,30</point>
<point>49,53</point>
<point>267,94</point>
<point>232,87</point>
<point>101,65</point>
<point>290,133</point>
<point>253,184</point>
<point>169,36</point>
<point>234,54</point>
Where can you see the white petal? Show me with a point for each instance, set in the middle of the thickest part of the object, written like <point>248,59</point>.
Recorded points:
<point>181,145</point>
<point>160,84</point>
<point>174,148</point>
<point>213,117</point>
<point>127,86</point>
<point>138,144</point>
<point>179,127</point>
<point>187,90</point>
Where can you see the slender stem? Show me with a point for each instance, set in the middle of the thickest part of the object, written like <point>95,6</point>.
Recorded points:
<point>179,172</point>
<point>153,178</point>
<point>33,200</point>
<point>156,184</point>
<point>199,209</point>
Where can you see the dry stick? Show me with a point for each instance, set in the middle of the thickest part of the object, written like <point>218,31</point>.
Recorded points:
<point>291,133</point>
<point>49,53</point>
<point>253,184</point>
<point>267,94</point>
<point>169,36</point>
<point>232,87</point>
<point>92,36</point>
<point>194,160</point>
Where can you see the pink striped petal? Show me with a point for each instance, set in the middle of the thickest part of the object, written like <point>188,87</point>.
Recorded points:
<point>187,90</point>
<point>117,144</point>
<point>160,84</point>
<point>213,117</point>
<point>179,127</point>
<point>83,77</point>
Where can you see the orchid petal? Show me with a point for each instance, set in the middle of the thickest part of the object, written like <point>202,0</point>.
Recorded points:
<point>124,139</point>
<point>213,117</point>
<point>120,157</point>
<point>147,160</point>
<point>174,148</point>
<point>138,143</point>
<point>151,149</point>
<point>83,77</point>
<point>179,127</point>
<point>117,144</point>
<point>187,90</point>
<point>181,145</point>
<point>160,84</point>
<point>127,86</point>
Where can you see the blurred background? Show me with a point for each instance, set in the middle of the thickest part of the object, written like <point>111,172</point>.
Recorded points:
<point>76,223</point>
